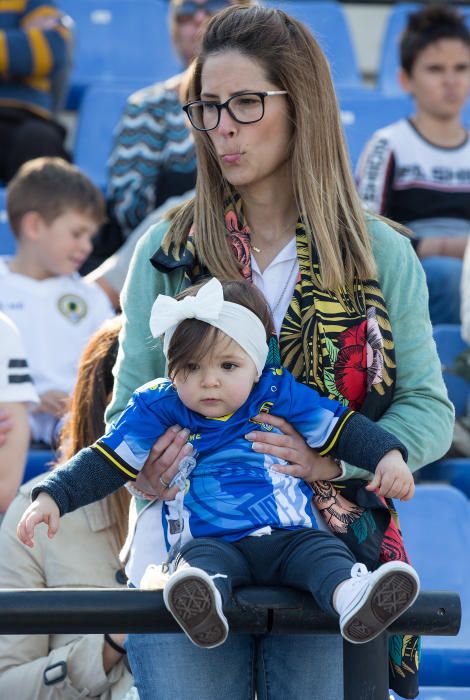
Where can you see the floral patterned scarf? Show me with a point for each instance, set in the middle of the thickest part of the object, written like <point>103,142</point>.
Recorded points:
<point>339,343</point>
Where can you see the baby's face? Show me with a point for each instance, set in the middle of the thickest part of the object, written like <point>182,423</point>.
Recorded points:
<point>219,383</point>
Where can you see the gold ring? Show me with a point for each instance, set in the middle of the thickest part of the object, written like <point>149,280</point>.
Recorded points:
<point>164,483</point>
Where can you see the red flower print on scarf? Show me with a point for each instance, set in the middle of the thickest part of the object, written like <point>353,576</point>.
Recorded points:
<point>360,360</point>
<point>240,243</point>
<point>351,365</point>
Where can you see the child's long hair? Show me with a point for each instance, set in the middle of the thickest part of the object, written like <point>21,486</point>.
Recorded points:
<point>85,422</point>
<point>193,338</point>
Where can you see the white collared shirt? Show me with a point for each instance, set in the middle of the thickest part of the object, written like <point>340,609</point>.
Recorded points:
<point>278,281</point>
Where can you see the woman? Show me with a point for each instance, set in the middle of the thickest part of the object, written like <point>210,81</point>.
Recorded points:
<point>69,666</point>
<point>275,202</point>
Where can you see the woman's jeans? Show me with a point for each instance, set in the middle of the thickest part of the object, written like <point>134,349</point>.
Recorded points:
<point>170,667</point>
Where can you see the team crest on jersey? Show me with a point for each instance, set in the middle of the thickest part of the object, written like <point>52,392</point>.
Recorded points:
<point>73,307</point>
<point>265,407</point>
<point>159,386</point>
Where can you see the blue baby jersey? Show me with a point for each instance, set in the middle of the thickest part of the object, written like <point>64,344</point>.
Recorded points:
<point>233,491</point>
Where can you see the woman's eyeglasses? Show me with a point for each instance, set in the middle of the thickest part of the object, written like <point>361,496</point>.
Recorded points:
<point>246,108</point>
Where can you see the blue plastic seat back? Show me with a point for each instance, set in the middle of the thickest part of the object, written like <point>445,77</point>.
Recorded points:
<point>7,240</point>
<point>327,22</point>
<point>446,693</point>
<point>99,113</point>
<point>38,462</point>
<point>449,344</point>
<point>436,530</point>
<point>119,41</point>
<point>363,112</point>
<point>389,59</point>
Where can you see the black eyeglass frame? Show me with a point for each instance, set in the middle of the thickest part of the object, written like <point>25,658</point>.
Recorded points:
<point>226,105</point>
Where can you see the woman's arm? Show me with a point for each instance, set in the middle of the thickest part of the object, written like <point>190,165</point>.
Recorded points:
<point>24,659</point>
<point>421,415</point>
<point>140,357</point>
<point>13,452</point>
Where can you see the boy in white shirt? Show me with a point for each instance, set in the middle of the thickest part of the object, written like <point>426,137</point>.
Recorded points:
<point>54,211</point>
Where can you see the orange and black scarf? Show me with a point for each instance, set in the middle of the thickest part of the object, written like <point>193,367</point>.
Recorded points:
<point>341,344</point>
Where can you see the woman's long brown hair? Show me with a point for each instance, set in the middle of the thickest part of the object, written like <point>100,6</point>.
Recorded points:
<point>85,423</point>
<point>323,185</point>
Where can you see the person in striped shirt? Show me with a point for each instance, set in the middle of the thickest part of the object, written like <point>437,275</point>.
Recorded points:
<point>35,48</point>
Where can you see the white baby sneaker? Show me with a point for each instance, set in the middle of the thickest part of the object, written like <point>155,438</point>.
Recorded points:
<point>369,602</point>
<point>196,604</point>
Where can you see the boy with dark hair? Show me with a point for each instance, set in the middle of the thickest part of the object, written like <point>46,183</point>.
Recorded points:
<point>417,170</point>
<point>54,212</point>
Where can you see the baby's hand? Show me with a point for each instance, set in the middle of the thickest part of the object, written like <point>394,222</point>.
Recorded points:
<point>392,478</point>
<point>42,510</point>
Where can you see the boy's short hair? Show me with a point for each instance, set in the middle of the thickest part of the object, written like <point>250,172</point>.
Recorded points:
<point>51,186</point>
<point>427,26</point>
<point>193,338</point>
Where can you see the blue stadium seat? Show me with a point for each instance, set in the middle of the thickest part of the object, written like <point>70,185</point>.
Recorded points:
<point>119,41</point>
<point>38,462</point>
<point>444,693</point>
<point>365,111</point>
<point>7,240</point>
<point>327,22</point>
<point>100,110</point>
<point>449,344</point>
<point>436,530</point>
<point>389,61</point>
<point>455,470</point>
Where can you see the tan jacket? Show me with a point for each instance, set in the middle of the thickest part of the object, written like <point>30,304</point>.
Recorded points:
<point>80,555</point>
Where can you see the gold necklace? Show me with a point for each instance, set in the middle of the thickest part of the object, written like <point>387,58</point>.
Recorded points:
<point>258,250</point>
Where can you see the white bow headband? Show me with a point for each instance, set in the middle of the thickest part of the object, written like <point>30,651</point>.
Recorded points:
<point>209,305</point>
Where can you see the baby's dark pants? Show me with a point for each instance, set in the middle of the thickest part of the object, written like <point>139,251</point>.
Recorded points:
<point>310,560</point>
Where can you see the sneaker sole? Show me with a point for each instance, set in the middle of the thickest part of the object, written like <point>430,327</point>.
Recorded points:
<point>389,598</point>
<point>192,603</point>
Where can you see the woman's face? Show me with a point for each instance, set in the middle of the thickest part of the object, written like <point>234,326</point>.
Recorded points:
<point>190,18</point>
<point>250,155</point>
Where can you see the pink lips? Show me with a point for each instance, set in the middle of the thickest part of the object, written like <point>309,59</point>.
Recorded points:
<point>231,157</point>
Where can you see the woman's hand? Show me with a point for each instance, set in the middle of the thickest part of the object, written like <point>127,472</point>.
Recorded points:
<point>304,462</point>
<point>111,656</point>
<point>163,462</point>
